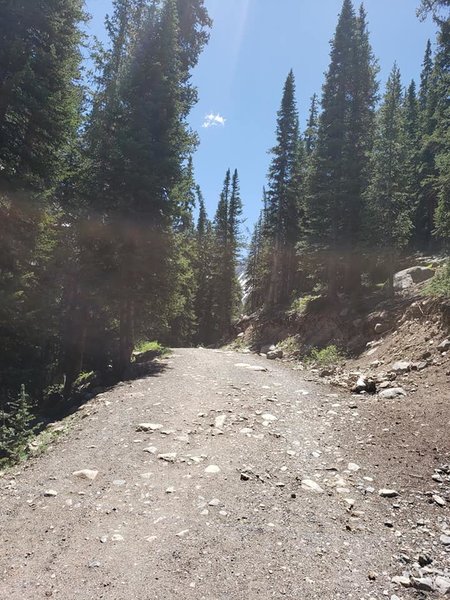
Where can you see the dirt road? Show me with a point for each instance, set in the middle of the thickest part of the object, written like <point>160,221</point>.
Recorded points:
<point>249,484</point>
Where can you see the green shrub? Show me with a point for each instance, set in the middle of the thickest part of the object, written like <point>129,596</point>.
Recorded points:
<point>326,357</point>
<point>154,346</point>
<point>300,305</point>
<point>290,345</point>
<point>439,286</point>
<point>83,378</point>
<point>16,425</point>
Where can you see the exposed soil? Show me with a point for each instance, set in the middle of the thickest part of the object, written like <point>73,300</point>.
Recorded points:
<point>150,527</point>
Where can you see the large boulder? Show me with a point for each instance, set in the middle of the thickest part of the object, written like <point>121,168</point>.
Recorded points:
<point>408,277</point>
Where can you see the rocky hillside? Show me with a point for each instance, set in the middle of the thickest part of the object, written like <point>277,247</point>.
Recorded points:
<point>385,346</point>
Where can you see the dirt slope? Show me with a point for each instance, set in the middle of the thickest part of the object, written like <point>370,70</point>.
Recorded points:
<point>149,529</point>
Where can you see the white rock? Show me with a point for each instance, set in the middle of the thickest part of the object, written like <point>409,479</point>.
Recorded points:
<point>269,417</point>
<point>214,502</point>
<point>439,501</point>
<point>170,490</point>
<point>85,474</point>
<point>353,467</point>
<point>168,456</point>
<point>151,449</point>
<point>391,393</point>
<point>149,427</point>
<point>182,533</point>
<point>212,469</point>
<point>387,493</point>
<point>220,421</point>
<point>442,585</point>
<point>311,486</point>
<point>401,580</point>
<point>50,493</point>
<point>117,537</point>
<point>246,430</point>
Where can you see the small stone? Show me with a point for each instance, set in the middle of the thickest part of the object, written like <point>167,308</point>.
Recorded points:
<point>442,585</point>
<point>311,486</point>
<point>353,467</point>
<point>274,354</point>
<point>401,366</point>
<point>220,421</point>
<point>372,576</point>
<point>445,539</point>
<point>214,502</point>
<point>425,584</point>
<point>168,456</point>
<point>182,533</point>
<point>94,564</point>
<point>50,493</point>
<point>212,469</point>
<point>389,524</point>
<point>387,493</point>
<point>149,427</point>
<point>170,490</point>
<point>246,430</point>
<point>425,560</point>
<point>117,537</point>
<point>119,482</point>
<point>245,477</point>
<point>402,580</point>
<point>391,393</point>
<point>151,449</point>
<point>269,417</point>
<point>439,501</point>
<point>86,474</point>
<point>444,346</point>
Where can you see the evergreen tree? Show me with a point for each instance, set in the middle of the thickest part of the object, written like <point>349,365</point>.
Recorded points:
<point>258,263</point>
<point>441,135</point>
<point>389,205</point>
<point>226,253</point>
<point>312,127</point>
<point>284,198</point>
<point>39,117</point>
<point>204,276</point>
<point>427,200</point>
<point>339,166</point>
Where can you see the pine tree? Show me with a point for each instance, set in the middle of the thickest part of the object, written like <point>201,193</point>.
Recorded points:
<point>204,300</point>
<point>427,200</point>
<point>389,204</point>
<point>140,142</point>
<point>258,263</point>
<point>310,135</point>
<point>39,116</point>
<point>339,166</point>
<point>441,135</point>
<point>284,198</point>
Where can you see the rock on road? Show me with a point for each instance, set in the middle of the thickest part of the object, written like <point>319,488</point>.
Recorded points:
<point>219,480</point>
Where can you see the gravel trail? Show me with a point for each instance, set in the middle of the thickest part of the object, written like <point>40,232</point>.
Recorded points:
<point>218,480</point>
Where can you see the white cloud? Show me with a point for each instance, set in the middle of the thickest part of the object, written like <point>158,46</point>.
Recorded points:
<point>213,120</point>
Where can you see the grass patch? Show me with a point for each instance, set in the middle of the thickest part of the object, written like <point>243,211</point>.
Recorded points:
<point>326,357</point>
<point>439,286</point>
<point>153,346</point>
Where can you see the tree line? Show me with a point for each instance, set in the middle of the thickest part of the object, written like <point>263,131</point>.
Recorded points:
<point>99,248</point>
<point>366,181</point>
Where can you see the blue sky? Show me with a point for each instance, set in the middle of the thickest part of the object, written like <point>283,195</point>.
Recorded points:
<point>240,75</point>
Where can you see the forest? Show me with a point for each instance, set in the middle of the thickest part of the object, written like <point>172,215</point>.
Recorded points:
<point>105,243</point>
